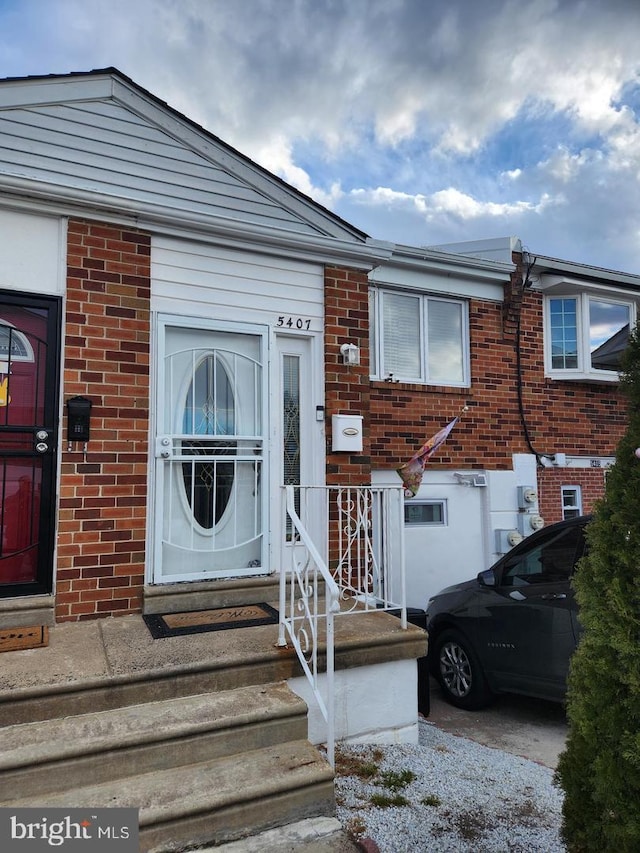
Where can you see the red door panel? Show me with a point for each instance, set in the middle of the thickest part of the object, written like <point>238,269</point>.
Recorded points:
<point>29,368</point>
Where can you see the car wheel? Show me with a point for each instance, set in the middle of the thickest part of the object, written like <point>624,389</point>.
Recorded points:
<point>459,672</point>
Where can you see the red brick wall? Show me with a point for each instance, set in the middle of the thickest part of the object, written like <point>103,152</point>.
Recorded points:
<point>347,389</point>
<point>404,415</point>
<point>551,480</point>
<point>576,418</point>
<point>101,541</point>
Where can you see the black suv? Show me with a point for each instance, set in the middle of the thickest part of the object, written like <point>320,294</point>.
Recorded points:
<point>514,627</point>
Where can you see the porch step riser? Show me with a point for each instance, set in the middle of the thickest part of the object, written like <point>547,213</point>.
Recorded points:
<point>180,598</point>
<point>88,698</point>
<point>240,820</point>
<point>215,801</point>
<point>109,765</point>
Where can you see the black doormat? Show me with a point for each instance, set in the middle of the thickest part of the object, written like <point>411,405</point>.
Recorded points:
<point>201,621</point>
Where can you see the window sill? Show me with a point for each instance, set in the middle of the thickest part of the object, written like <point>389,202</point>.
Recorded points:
<point>594,378</point>
<point>421,386</point>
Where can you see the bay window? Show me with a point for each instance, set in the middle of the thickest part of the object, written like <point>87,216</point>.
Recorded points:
<point>586,335</point>
<point>419,338</point>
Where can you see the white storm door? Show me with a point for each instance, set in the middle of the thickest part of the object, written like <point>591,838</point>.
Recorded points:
<point>210,453</point>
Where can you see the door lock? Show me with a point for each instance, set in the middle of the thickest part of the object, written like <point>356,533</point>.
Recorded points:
<point>163,447</point>
<point>41,444</point>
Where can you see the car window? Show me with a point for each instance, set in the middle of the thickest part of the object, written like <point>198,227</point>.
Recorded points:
<point>551,561</point>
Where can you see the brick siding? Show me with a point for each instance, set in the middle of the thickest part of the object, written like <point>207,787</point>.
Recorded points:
<point>576,418</point>
<point>103,497</point>
<point>347,388</point>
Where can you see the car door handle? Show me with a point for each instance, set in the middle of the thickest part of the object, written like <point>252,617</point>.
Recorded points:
<point>550,596</point>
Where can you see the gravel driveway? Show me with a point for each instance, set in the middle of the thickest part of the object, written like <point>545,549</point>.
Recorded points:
<point>457,795</point>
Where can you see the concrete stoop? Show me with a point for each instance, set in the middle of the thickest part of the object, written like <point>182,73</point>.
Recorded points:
<point>201,733</point>
<point>201,769</point>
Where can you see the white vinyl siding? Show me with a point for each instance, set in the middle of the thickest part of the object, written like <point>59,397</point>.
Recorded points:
<point>104,148</point>
<point>202,280</point>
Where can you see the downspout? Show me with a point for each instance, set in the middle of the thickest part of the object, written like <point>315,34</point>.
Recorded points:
<point>519,379</point>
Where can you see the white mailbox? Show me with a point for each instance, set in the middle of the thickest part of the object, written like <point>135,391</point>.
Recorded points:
<point>346,433</point>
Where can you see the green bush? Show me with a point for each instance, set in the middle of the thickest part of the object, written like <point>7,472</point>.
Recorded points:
<point>600,767</point>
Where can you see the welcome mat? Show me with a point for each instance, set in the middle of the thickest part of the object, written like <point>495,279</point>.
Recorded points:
<point>14,639</point>
<point>219,619</point>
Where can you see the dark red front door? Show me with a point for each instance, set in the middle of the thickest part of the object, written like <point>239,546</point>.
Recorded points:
<point>29,369</point>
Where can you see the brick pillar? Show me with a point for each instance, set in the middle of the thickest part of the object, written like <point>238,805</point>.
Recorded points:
<point>347,389</point>
<point>103,497</point>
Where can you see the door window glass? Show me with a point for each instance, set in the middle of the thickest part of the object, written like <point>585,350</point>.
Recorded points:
<point>291,427</point>
<point>291,419</point>
<point>209,411</point>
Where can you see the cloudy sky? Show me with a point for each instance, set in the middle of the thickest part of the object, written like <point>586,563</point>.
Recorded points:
<point>419,121</point>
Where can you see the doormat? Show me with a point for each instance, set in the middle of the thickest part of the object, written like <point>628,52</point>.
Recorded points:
<point>219,619</point>
<point>13,639</point>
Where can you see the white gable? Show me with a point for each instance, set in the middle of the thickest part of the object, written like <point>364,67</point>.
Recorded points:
<point>100,134</point>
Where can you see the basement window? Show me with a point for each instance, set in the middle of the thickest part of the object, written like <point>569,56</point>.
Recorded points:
<point>425,513</point>
<point>571,502</point>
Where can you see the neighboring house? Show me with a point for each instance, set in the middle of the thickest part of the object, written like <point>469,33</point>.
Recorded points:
<point>530,346</point>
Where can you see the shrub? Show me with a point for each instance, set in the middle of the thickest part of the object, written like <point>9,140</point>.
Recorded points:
<point>600,767</point>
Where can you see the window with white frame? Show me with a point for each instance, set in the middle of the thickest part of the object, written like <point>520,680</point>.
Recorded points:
<point>425,513</point>
<point>586,335</point>
<point>420,338</point>
<point>571,502</point>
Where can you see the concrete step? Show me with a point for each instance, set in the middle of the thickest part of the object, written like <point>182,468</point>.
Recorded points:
<point>46,756</point>
<point>212,801</point>
<point>228,592</point>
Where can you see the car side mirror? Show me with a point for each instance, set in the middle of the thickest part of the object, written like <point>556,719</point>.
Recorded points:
<point>487,578</point>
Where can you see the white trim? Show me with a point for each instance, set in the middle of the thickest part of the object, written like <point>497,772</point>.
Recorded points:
<point>54,200</point>
<point>593,462</point>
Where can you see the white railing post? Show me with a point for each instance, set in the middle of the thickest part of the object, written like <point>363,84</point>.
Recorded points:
<point>302,618</point>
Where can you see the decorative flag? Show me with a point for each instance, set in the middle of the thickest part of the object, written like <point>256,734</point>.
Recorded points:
<point>411,472</point>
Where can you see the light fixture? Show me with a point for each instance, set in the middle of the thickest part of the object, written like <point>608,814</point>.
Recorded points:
<point>474,479</point>
<point>350,354</point>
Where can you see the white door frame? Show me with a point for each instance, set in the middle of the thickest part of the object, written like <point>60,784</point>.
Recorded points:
<point>309,349</point>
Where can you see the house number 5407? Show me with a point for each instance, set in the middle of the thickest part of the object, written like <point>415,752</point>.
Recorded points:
<point>294,323</point>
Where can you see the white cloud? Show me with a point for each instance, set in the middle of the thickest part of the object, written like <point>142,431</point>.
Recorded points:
<point>449,202</point>
<point>276,156</point>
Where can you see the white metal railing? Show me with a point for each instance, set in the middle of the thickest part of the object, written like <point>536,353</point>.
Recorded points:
<point>349,539</point>
<point>305,608</point>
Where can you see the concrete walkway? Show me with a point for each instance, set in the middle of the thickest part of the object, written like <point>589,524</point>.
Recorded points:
<point>317,835</point>
<point>531,728</point>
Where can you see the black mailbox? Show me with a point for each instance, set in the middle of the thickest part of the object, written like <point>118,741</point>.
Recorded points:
<point>79,419</point>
